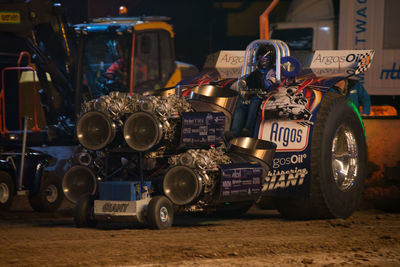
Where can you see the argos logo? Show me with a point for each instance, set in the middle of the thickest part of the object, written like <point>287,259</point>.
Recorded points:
<point>341,59</point>
<point>328,60</point>
<point>231,59</point>
<point>285,134</point>
<point>288,135</point>
<point>294,159</point>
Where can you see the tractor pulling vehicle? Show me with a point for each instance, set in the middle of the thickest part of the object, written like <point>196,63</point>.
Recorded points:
<point>173,155</point>
<point>148,156</point>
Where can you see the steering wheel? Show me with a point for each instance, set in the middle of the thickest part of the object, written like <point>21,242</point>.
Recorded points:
<point>290,67</point>
<point>110,76</point>
<point>108,82</point>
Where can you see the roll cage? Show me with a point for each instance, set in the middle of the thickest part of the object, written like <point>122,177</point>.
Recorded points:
<point>250,61</point>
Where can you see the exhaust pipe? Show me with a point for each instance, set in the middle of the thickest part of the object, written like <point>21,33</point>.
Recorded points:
<point>78,181</point>
<point>142,131</point>
<point>260,149</point>
<point>182,185</point>
<point>95,130</point>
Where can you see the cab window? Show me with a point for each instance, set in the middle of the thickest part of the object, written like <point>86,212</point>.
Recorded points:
<point>106,68</point>
<point>153,60</point>
<point>167,56</point>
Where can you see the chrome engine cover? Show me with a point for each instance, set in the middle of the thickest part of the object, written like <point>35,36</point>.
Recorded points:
<point>118,106</point>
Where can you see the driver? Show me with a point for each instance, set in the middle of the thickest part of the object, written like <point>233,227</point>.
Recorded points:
<point>264,76</point>
<point>244,117</point>
<point>119,68</point>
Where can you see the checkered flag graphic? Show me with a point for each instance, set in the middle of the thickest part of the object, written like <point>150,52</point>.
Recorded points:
<point>364,62</point>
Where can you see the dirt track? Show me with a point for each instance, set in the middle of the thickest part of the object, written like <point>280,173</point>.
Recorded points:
<point>259,238</point>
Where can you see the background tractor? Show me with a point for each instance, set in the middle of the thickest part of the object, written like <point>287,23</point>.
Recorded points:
<point>61,67</point>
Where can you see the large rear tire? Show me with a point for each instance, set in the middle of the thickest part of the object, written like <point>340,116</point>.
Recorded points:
<point>338,164</point>
<point>7,190</point>
<point>50,195</point>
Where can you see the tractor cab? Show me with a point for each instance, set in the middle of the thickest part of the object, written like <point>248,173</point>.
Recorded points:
<point>126,54</point>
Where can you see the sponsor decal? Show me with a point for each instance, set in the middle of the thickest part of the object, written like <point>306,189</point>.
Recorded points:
<point>225,59</point>
<point>227,184</point>
<point>331,59</point>
<point>231,59</point>
<point>10,17</point>
<point>364,63</point>
<point>341,59</point>
<point>332,72</point>
<point>392,74</point>
<point>284,179</point>
<point>288,135</point>
<point>240,179</point>
<point>293,159</point>
<point>114,207</point>
<point>202,128</point>
<point>117,208</point>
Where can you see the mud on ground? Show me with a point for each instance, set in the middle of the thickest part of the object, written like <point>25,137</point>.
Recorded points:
<point>258,238</point>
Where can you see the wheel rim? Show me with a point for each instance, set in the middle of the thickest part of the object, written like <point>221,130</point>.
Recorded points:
<point>164,214</point>
<point>4,193</point>
<point>344,158</point>
<point>51,193</point>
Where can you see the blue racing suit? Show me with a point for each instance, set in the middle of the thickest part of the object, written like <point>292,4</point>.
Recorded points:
<point>245,115</point>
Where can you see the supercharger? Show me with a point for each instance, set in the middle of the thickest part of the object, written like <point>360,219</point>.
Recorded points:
<point>121,121</point>
<point>145,121</point>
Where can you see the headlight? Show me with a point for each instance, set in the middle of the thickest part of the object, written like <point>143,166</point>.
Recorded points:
<point>78,181</point>
<point>142,131</point>
<point>182,185</point>
<point>95,130</point>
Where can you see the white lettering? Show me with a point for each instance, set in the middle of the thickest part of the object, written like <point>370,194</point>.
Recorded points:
<point>284,179</point>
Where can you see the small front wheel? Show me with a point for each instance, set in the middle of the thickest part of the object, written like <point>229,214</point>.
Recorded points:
<point>50,195</point>
<point>160,213</point>
<point>7,190</point>
<point>83,212</point>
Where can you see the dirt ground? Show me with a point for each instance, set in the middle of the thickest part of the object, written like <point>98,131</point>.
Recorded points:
<point>258,238</point>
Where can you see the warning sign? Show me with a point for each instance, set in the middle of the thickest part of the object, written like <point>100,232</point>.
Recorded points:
<point>10,18</point>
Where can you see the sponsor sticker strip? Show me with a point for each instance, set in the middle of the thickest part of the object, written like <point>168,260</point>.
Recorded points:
<point>284,179</point>
<point>124,208</point>
<point>240,180</point>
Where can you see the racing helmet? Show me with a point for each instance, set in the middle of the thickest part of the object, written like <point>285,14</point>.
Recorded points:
<point>265,58</point>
